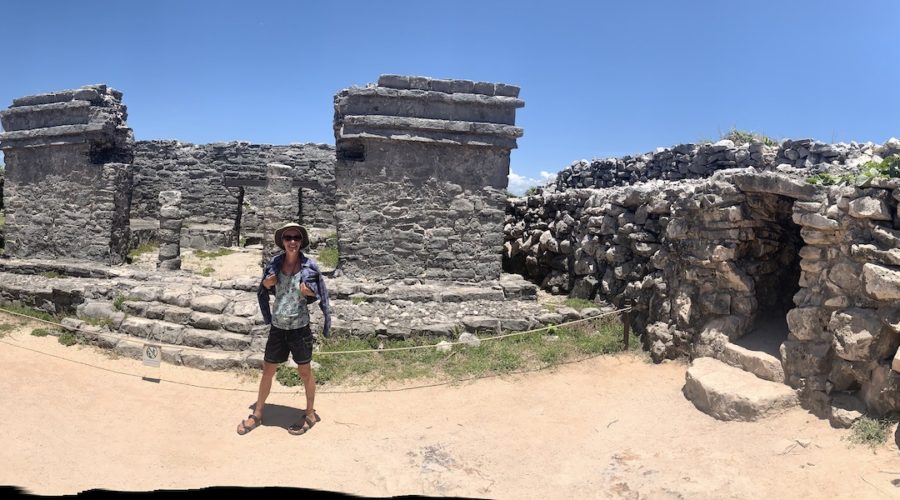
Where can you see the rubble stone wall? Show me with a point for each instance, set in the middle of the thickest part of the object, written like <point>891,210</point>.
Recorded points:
<point>702,260</point>
<point>199,172</point>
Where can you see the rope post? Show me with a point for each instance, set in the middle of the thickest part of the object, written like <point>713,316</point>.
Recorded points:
<point>626,324</point>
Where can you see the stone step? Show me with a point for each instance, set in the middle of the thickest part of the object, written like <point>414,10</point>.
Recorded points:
<point>131,347</point>
<point>175,333</point>
<point>729,393</point>
<point>761,364</point>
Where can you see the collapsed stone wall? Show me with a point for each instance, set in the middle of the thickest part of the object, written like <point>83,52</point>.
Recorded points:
<point>200,171</point>
<point>421,169</point>
<point>68,176</point>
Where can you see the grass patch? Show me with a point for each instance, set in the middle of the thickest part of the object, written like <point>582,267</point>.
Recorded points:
<point>579,304</point>
<point>869,432</point>
<point>142,249</point>
<point>328,257</point>
<point>359,300</point>
<point>203,254</point>
<point>68,339</point>
<point>40,332</point>
<point>32,313</point>
<point>530,351</point>
<point>742,136</point>
<point>118,301</point>
<point>6,328</point>
<point>206,271</point>
<point>101,322</point>
<point>51,274</point>
<point>287,376</point>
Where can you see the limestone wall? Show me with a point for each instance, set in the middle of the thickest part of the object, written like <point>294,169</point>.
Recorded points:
<point>68,176</point>
<point>199,172</point>
<point>421,165</point>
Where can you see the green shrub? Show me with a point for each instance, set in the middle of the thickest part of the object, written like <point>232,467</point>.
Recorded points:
<point>869,432</point>
<point>40,332</point>
<point>288,376</point>
<point>68,339</point>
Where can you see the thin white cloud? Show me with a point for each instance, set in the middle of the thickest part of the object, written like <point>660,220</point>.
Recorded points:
<point>518,184</point>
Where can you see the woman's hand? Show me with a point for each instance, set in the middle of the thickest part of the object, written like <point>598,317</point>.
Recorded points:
<point>306,291</point>
<point>270,281</point>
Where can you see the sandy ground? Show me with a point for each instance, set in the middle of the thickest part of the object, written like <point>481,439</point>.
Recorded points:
<point>609,427</point>
<point>79,418</point>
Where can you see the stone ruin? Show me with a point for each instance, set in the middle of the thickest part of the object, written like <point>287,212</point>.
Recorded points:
<point>68,175</point>
<point>726,252</point>
<point>421,170</point>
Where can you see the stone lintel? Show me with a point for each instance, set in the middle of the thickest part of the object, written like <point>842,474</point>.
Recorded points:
<point>52,135</point>
<point>447,86</point>
<point>88,93</point>
<point>447,139</point>
<point>434,97</point>
<point>364,122</point>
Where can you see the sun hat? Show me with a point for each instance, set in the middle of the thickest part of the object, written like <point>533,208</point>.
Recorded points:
<point>291,225</point>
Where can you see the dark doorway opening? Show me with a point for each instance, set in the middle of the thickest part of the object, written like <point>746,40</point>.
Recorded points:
<point>772,260</point>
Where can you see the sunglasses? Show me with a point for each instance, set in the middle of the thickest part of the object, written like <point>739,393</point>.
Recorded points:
<point>292,238</point>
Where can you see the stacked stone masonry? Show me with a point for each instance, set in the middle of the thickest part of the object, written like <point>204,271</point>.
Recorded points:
<point>170,221</point>
<point>693,161</point>
<point>68,159</point>
<point>421,168</point>
<point>200,172</point>
<point>705,260</point>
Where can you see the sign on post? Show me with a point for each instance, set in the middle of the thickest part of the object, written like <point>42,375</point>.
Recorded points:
<point>152,355</point>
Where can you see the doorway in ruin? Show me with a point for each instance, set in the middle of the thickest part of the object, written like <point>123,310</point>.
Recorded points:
<point>772,260</point>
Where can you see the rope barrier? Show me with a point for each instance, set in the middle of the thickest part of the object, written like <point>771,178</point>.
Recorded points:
<point>234,389</point>
<point>358,351</point>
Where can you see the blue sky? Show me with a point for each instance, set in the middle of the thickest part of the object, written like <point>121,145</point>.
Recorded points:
<point>598,78</point>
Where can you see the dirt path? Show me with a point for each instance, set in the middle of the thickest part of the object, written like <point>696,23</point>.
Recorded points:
<point>606,427</point>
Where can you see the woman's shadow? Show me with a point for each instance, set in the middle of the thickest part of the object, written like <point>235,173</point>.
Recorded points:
<point>279,415</point>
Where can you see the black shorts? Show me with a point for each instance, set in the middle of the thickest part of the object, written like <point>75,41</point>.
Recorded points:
<point>298,342</point>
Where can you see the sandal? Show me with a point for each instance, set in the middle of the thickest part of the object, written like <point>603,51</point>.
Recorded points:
<point>305,424</point>
<point>243,429</point>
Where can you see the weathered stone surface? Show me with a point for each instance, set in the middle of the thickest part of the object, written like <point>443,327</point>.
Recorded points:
<point>453,146</point>
<point>68,176</point>
<point>763,365</point>
<point>869,208</point>
<point>845,409</point>
<point>199,172</point>
<point>728,393</point>
<point>857,334</point>
<point>881,283</point>
<point>808,323</point>
<point>882,392</point>
<point>209,303</point>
